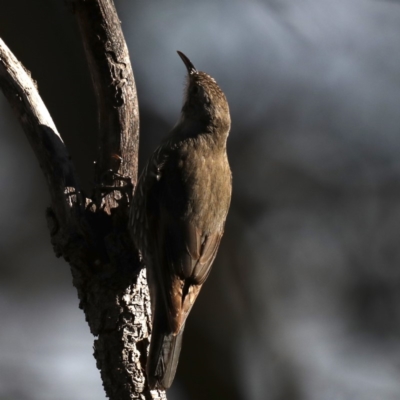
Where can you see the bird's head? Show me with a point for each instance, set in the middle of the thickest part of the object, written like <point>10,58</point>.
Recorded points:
<point>205,102</point>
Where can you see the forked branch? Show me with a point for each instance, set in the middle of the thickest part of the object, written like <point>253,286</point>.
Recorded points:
<point>92,234</point>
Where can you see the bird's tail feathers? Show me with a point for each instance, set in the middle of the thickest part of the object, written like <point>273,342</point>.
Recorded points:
<point>163,356</point>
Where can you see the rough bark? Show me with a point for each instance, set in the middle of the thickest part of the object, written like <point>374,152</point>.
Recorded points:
<point>114,86</point>
<point>91,233</point>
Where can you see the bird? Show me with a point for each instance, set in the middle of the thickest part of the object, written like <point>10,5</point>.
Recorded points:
<point>178,214</point>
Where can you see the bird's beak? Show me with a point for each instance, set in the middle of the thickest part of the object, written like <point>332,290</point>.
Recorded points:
<point>190,67</point>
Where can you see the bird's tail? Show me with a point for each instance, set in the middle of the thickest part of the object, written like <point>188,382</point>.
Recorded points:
<point>163,355</point>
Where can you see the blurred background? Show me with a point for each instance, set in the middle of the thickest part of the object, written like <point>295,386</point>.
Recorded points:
<point>304,299</point>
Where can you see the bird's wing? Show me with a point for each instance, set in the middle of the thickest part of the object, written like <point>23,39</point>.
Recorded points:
<point>145,197</point>
<point>187,257</point>
<point>180,254</point>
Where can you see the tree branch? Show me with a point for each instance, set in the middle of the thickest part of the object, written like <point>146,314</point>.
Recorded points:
<point>21,92</point>
<point>114,85</point>
<point>92,234</point>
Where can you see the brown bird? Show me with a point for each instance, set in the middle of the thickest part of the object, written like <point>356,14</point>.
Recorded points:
<point>178,215</point>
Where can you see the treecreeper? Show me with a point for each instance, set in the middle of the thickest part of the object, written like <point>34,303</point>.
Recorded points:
<point>178,215</point>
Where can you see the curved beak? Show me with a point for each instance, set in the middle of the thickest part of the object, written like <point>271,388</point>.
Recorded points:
<point>190,67</point>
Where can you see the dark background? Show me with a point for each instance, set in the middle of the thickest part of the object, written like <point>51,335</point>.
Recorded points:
<point>304,299</point>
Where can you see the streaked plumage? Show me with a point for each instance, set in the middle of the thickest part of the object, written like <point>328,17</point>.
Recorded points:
<point>178,215</point>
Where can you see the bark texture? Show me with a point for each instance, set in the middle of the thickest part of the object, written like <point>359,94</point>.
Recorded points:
<point>91,232</point>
